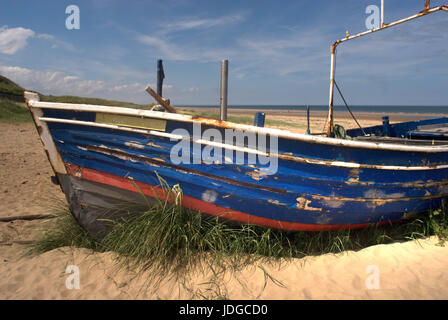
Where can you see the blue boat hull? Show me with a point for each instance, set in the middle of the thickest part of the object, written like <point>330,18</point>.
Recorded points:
<point>317,186</point>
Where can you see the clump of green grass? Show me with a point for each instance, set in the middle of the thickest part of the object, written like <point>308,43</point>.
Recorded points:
<point>62,231</point>
<point>13,112</point>
<point>170,239</point>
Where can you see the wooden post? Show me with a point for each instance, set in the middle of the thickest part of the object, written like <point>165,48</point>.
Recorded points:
<point>224,82</point>
<point>308,131</point>
<point>160,77</point>
<point>330,107</point>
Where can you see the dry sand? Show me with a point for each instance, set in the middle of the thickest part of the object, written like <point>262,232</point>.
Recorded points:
<point>411,270</point>
<point>24,172</point>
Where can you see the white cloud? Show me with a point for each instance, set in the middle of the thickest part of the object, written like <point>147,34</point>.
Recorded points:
<point>14,39</point>
<point>295,51</point>
<point>191,89</point>
<point>45,36</point>
<point>56,43</point>
<point>188,24</point>
<point>184,52</point>
<point>161,40</point>
<point>167,49</point>
<point>59,83</point>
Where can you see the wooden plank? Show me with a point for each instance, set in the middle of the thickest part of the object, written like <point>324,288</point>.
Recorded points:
<point>10,243</point>
<point>160,100</point>
<point>132,122</point>
<point>27,217</point>
<point>45,136</point>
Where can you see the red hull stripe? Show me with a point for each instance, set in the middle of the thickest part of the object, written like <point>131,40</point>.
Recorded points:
<point>196,204</point>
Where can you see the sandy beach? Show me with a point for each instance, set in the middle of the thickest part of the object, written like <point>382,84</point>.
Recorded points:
<point>409,270</point>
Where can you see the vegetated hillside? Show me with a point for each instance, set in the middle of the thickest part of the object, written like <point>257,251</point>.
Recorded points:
<point>10,90</point>
<point>13,109</point>
<point>97,101</point>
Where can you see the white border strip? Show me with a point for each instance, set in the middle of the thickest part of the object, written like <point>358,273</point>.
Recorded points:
<point>279,133</point>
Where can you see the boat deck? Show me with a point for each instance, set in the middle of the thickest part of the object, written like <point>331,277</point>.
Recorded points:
<point>405,141</point>
<point>415,133</point>
<point>434,131</point>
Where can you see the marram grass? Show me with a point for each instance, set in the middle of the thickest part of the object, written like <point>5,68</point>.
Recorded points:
<point>62,231</point>
<point>13,112</point>
<point>171,240</point>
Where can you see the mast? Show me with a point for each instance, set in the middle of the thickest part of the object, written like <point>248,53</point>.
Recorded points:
<point>330,110</point>
<point>426,11</point>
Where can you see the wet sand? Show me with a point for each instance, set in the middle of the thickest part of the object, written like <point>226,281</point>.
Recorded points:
<point>410,270</point>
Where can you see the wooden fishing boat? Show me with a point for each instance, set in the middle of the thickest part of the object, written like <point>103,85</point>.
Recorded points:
<point>110,159</point>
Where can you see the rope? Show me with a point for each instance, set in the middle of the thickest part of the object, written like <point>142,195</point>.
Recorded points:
<point>346,105</point>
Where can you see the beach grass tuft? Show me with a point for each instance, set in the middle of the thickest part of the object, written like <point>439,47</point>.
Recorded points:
<point>13,112</point>
<point>172,240</point>
<point>62,231</point>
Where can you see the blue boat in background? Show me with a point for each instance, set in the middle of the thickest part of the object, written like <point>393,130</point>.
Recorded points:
<point>108,160</point>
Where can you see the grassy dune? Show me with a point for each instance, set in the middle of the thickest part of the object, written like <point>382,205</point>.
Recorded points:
<point>16,112</point>
<point>13,111</point>
<point>9,87</point>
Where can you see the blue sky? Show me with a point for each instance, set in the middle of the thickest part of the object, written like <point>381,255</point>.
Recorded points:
<point>278,51</point>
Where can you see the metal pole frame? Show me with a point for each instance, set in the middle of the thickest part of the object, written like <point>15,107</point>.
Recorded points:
<point>383,26</point>
<point>223,90</point>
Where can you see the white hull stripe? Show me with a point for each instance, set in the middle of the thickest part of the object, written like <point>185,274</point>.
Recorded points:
<point>242,149</point>
<point>268,131</point>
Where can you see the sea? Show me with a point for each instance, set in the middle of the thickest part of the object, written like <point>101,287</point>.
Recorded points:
<point>375,109</point>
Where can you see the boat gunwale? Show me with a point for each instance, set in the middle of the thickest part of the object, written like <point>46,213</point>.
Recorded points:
<point>230,125</point>
<point>282,156</point>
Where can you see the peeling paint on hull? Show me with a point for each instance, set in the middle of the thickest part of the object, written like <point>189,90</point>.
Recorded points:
<point>111,189</point>
<point>317,187</point>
